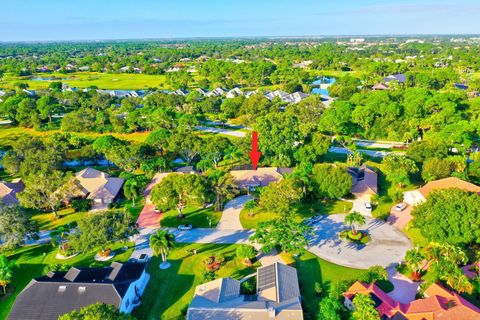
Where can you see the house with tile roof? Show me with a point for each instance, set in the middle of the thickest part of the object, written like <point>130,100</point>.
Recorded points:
<point>364,180</point>
<point>277,297</point>
<point>420,195</point>
<point>58,293</point>
<point>9,190</point>
<point>98,186</point>
<point>262,177</point>
<point>438,304</point>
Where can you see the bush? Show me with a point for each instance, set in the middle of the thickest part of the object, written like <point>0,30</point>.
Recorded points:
<point>81,205</point>
<point>209,276</point>
<point>375,273</point>
<point>246,251</point>
<point>318,288</point>
<point>249,286</point>
<point>361,237</point>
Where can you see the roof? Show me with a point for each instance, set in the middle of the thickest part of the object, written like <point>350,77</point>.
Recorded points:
<point>9,190</point>
<point>221,299</point>
<point>58,293</point>
<point>400,77</point>
<point>258,178</point>
<point>439,303</point>
<point>95,184</point>
<point>364,180</point>
<point>451,182</point>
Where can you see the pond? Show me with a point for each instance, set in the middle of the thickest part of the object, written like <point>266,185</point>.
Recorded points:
<point>48,79</point>
<point>324,80</point>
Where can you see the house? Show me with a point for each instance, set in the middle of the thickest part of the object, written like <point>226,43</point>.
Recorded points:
<point>439,303</point>
<point>9,190</point>
<point>277,297</point>
<point>203,92</point>
<point>364,180</point>
<point>299,96</point>
<point>29,92</point>
<point>98,186</point>
<point>420,195</point>
<point>217,92</point>
<point>125,69</point>
<point>400,78</point>
<point>262,177</point>
<point>461,86</point>
<point>380,86</point>
<point>235,92</point>
<point>58,293</point>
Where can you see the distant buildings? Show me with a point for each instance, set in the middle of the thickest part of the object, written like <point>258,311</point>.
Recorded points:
<point>58,293</point>
<point>439,303</point>
<point>277,297</point>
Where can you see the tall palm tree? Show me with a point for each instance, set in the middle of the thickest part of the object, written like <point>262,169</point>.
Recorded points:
<point>354,218</point>
<point>224,187</point>
<point>6,272</point>
<point>415,259</point>
<point>131,190</point>
<point>161,243</point>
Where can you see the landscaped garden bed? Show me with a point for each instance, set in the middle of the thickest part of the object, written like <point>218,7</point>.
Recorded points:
<point>360,237</point>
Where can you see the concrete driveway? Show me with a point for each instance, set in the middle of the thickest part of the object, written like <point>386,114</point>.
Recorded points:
<point>387,247</point>
<point>400,219</point>
<point>359,204</point>
<point>231,214</point>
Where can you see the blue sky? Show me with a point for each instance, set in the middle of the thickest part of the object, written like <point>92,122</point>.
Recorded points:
<point>30,20</point>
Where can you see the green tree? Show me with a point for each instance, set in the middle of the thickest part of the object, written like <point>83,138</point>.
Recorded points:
<point>331,181</point>
<point>364,308</point>
<point>223,186</point>
<point>161,243</point>
<point>398,169</point>
<point>6,272</point>
<point>330,309</point>
<point>15,225</point>
<point>281,197</point>
<point>97,311</point>
<point>449,216</point>
<point>415,259</point>
<point>286,233</point>
<point>246,252</point>
<point>354,218</point>
<point>435,168</point>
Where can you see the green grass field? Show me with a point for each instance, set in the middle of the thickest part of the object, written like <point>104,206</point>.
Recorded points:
<point>31,262</point>
<point>120,81</point>
<point>197,217</point>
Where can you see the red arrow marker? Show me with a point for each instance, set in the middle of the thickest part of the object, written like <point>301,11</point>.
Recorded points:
<point>255,154</point>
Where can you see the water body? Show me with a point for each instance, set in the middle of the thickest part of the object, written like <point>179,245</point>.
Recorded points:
<point>48,79</point>
<point>321,85</point>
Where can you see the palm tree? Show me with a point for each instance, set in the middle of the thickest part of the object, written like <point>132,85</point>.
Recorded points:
<point>6,272</point>
<point>224,187</point>
<point>161,243</point>
<point>131,190</point>
<point>59,237</point>
<point>459,282</point>
<point>354,218</point>
<point>415,259</point>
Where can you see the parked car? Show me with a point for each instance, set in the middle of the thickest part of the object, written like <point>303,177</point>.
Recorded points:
<point>184,227</point>
<point>400,207</point>
<point>368,206</point>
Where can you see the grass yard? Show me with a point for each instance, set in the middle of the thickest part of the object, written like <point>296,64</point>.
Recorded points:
<point>197,217</point>
<point>120,81</point>
<point>312,269</point>
<point>31,262</point>
<point>302,212</point>
<point>170,291</point>
<point>46,221</point>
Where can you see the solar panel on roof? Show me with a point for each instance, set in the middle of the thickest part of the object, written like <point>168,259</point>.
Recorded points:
<point>266,277</point>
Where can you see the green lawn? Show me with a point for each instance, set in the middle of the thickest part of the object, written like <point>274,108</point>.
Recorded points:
<point>46,221</point>
<point>170,291</point>
<point>300,213</point>
<point>31,262</point>
<point>311,269</point>
<point>120,81</point>
<point>197,217</point>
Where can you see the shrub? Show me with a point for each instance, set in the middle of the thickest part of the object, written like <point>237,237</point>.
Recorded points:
<point>249,286</point>
<point>375,273</point>
<point>246,251</point>
<point>318,288</point>
<point>81,205</point>
<point>209,276</point>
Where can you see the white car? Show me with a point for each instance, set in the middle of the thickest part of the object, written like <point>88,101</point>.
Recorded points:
<point>400,207</point>
<point>368,206</point>
<point>184,227</point>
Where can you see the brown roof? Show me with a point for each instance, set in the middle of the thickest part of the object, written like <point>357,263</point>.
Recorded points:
<point>451,182</point>
<point>9,190</point>
<point>364,180</point>
<point>95,184</point>
<point>258,178</point>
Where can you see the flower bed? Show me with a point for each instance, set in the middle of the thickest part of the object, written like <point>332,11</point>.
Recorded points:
<point>361,237</point>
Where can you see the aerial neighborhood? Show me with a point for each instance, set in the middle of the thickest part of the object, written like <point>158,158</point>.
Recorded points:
<point>289,178</point>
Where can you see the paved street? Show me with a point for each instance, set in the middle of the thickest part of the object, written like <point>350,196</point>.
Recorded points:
<point>387,247</point>
<point>205,235</point>
<point>231,214</point>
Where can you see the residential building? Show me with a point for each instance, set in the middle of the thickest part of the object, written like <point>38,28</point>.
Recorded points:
<point>420,195</point>
<point>9,190</point>
<point>364,180</point>
<point>58,293</point>
<point>251,179</point>
<point>98,186</point>
<point>439,303</point>
<point>235,92</point>
<point>217,92</point>
<point>399,77</point>
<point>277,297</point>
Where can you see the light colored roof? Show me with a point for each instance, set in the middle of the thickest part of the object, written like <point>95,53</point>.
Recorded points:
<point>219,290</point>
<point>258,178</point>
<point>277,282</point>
<point>364,180</point>
<point>96,184</point>
<point>9,190</point>
<point>451,182</point>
